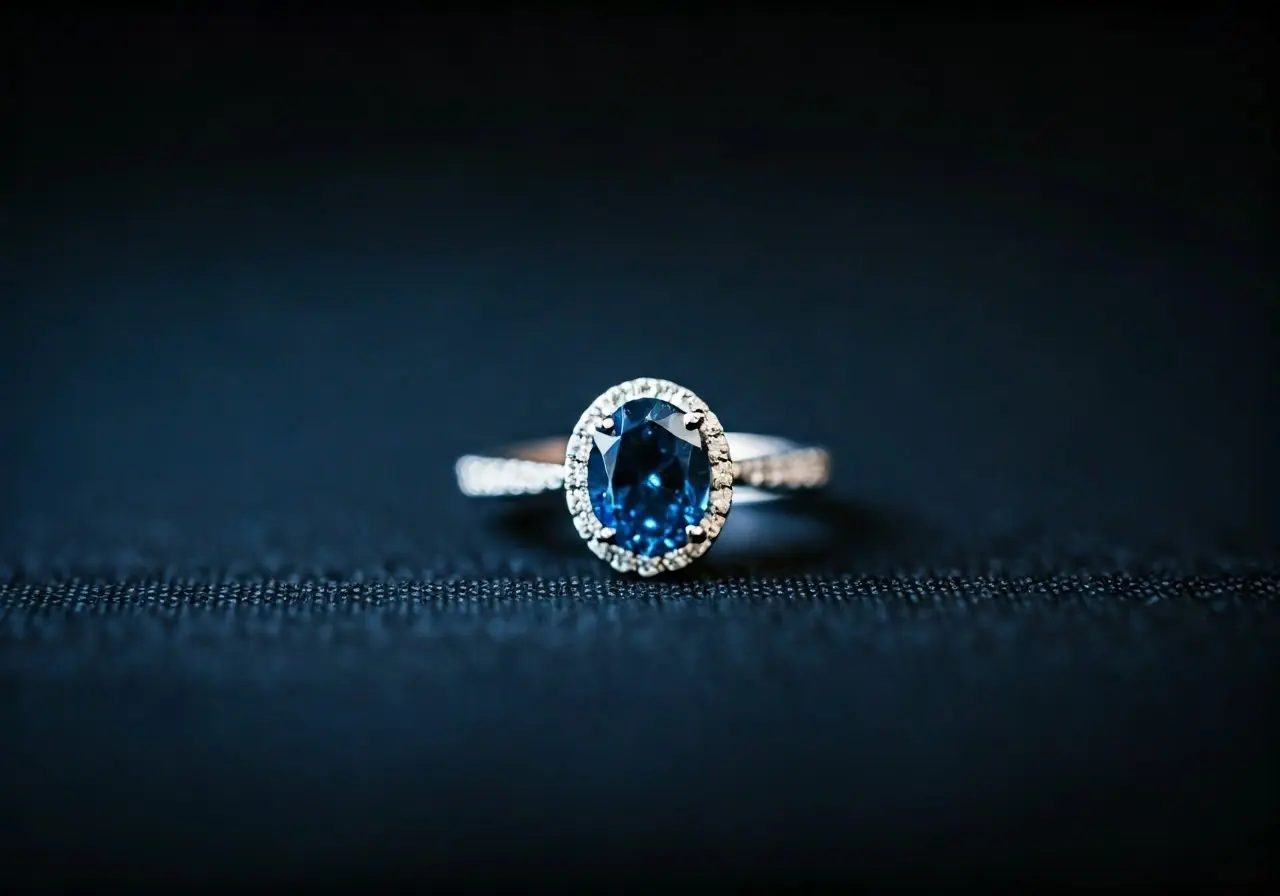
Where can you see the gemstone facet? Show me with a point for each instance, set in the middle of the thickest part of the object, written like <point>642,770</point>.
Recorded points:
<point>648,477</point>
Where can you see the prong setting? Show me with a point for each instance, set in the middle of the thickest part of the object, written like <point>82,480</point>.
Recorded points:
<point>598,418</point>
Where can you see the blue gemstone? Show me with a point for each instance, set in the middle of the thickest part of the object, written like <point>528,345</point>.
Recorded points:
<point>649,477</point>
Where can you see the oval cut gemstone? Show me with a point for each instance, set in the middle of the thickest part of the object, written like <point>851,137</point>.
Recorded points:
<point>649,477</point>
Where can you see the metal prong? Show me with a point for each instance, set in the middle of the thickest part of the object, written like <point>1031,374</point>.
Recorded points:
<point>693,419</point>
<point>607,535</point>
<point>696,534</point>
<point>605,424</point>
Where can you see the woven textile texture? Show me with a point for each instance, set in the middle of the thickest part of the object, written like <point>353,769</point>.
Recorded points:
<point>1081,726</point>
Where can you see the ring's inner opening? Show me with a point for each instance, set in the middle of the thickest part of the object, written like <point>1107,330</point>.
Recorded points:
<point>547,451</point>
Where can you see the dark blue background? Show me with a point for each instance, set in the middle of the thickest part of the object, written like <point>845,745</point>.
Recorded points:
<point>266,278</point>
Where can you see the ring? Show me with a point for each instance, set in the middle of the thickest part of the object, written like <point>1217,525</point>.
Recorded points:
<point>649,474</point>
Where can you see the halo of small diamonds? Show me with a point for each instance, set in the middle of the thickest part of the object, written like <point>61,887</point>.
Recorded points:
<point>578,455</point>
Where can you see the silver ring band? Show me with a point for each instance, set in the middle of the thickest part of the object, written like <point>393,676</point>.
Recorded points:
<point>767,466</point>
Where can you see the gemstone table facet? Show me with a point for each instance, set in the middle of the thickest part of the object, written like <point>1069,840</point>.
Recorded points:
<point>648,477</point>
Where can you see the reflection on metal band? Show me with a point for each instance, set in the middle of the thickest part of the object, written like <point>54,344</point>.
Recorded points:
<point>763,467</point>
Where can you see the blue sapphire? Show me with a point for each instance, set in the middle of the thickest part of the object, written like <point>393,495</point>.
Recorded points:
<point>648,477</point>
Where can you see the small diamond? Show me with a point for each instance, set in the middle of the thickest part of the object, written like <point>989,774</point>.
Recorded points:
<point>649,478</point>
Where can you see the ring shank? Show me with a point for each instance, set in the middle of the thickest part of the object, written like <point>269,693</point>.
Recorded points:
<point>763,467</point>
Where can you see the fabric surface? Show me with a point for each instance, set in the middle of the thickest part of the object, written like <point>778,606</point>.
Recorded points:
<point>1077,727</point>
<point>265,287</point>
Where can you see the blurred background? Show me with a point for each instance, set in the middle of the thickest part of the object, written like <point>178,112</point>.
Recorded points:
<point>265,278</point>
<point>269,275</point>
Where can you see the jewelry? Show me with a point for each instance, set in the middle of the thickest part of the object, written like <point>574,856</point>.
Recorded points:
<point>649,474</point>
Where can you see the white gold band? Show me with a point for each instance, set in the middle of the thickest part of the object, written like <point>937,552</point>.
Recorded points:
<point>763,466</point>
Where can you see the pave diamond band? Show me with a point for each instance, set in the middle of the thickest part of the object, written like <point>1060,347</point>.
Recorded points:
<point>764,468</point>
<point>649,474</point>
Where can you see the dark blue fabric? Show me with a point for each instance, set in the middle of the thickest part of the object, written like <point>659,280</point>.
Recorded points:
<point>1072,727</point>
<point>268,278</point>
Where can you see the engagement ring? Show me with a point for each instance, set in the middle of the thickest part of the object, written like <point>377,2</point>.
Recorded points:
<point>649,474</point>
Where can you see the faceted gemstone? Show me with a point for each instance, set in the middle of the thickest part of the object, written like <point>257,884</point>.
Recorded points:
<point>648,477</point>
